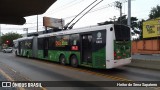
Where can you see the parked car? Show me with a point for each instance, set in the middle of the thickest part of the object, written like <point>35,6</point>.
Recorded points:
<point>8,50</point>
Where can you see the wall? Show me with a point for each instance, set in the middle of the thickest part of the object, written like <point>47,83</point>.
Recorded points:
<point>146,47</point>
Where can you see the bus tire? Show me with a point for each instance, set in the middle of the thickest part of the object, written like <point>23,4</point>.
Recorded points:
<point>62,60</point>
<point>74,61</point>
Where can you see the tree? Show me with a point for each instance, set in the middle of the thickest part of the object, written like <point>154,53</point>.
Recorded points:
<point>135,24</point>
<point>9,37</point>
<point>155,12</point>
<point>140,26</point>
<point>123,20</point>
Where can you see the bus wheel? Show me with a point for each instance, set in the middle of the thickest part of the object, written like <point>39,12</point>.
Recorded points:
<point>74,61</point>
<point>62,60</point>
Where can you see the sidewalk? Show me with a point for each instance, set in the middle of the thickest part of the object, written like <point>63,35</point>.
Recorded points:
<point>146,61</point>
<point>155,57</point>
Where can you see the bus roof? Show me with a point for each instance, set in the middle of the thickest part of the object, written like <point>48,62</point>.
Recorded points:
<point>77,30</point>
<point>72,31</point>
<point>24,38</point>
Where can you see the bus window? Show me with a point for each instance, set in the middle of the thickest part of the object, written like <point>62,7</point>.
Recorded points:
<point>62,42</point>
<point>74,42</point>
<point>40,44</point>
<point>28,44</point>
<point>74,39</point>
<point>51,43</point>
<point>122,33</point>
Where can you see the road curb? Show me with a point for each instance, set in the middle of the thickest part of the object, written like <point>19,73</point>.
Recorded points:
<point>149,64</point>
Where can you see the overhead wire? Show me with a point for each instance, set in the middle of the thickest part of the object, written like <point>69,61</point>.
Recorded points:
<point>71,4</point>
<point>98,9</point>
<point>94,10</point>
<point>64,7</point>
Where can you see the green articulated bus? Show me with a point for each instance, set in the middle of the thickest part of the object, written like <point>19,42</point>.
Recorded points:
<point>103,47</point>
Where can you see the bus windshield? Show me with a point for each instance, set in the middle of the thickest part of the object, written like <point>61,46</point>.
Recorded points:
<point>122,33</point>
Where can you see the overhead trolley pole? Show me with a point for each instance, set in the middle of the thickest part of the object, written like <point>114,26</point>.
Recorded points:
<point>66,26</point>
<point>85,14</point>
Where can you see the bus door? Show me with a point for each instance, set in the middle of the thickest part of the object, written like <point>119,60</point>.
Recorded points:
<point>45,51</point>
<point>86,50</point>
<point>34,47</point>
<point>19,48</point>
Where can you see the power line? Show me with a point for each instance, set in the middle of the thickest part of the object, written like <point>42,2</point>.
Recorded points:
<point>85,14</point>
<point>61,7</point>
<point>19,28</point>
<point>66,26</point>
<point>74,2</point>
<point>98,9</point>
<point>64,7</point>
<point>71,4</point>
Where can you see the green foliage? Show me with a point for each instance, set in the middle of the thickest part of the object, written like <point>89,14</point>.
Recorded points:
<point>123,20</point>
<point>135,24</point>
<point>155,12</point>
<point>9,37</point>
<point>140,26</point>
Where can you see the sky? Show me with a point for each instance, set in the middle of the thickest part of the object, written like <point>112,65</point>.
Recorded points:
<point>67,9</point>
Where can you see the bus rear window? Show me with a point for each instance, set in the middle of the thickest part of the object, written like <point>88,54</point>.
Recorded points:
<point>122,33</point>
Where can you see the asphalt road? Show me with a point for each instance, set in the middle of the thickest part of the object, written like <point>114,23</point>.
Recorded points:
<point>24,69</point>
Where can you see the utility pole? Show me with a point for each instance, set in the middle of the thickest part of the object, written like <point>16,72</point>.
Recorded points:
<point>119,5</point>
<point>0,30</point>
<point>129,13</point>
<point>0,38</point>
<point>37,23</point>
<point>26,29</point>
